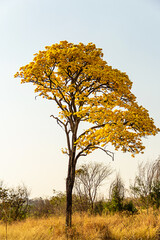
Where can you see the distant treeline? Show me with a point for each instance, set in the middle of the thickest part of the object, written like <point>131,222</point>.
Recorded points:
<point>144,193</point>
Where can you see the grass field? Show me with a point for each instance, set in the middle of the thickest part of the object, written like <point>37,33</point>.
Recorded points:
<point>142,226</point>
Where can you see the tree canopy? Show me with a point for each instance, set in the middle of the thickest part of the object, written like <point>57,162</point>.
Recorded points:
<point>85,88</point>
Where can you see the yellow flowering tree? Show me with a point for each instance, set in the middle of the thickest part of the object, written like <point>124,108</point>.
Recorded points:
<point>86,89</point>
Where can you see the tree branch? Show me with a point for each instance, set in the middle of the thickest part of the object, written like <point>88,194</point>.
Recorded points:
<point>94,127</point>
<point>58,121</point>
<point>109,153</point>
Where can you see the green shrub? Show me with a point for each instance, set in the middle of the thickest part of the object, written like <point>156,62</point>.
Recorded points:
<point>129,207</point>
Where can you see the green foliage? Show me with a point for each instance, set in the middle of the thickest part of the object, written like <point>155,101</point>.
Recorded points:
<point>99,207</point>
<point>58,203</point>
<point>40,207</point>
<point>115,205</point>
<point>155,194</point>
<point>80,203</point>
<point>130,207</point>
<point>117,198</point>
<point>116,195</point>
<point>13,203</point>
<point>146,187</point>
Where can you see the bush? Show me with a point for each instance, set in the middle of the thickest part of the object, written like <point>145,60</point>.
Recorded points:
<point>116,195</point>
<point>99,207</point>
<point>58,203</point>
<point>40,207</point>
<point>129,207</point>
<point>80,203</point>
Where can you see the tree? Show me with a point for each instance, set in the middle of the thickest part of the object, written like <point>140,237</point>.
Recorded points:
<point>13,204</point>
<point>86,89</point>
<point>155,194</point>
<point>58,202</point>
<point>89,178</point>
<point>116,194</point>
<point>146,185</point>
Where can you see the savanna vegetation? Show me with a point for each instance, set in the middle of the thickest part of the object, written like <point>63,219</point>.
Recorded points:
<point>141,226</point>
<point>132,213</point>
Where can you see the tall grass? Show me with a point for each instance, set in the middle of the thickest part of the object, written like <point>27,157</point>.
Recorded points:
<point>114,227</point>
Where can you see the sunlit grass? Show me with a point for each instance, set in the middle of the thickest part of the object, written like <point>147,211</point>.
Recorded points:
<point>119,226</point>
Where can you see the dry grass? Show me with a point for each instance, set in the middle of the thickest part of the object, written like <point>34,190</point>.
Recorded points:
<point>116,227</point>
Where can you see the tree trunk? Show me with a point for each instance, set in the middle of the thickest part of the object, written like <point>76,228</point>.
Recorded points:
<point>92,207</point>
<point>69,202</point>
<point>69,187</point>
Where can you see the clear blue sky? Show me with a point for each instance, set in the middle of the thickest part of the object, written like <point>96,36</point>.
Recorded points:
<point>30,141</point>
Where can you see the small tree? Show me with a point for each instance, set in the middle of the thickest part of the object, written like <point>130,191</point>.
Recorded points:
<point>155,194</point>
<point>89,177</point>
<point>13,204</point>
<point>58,202</point>
<point>116,194</point>
<point>146,185</point>
<point>86,89</point>
<point>4,207</point>
<point>18,198</point>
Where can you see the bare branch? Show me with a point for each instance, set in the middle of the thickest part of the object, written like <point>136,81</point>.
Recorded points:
<point>109,153</point>
<point>59,122</point>
<point>89,177</point>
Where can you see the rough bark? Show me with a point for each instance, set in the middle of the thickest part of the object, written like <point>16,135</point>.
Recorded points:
<point>69,187</point>
<point>69,202</point>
